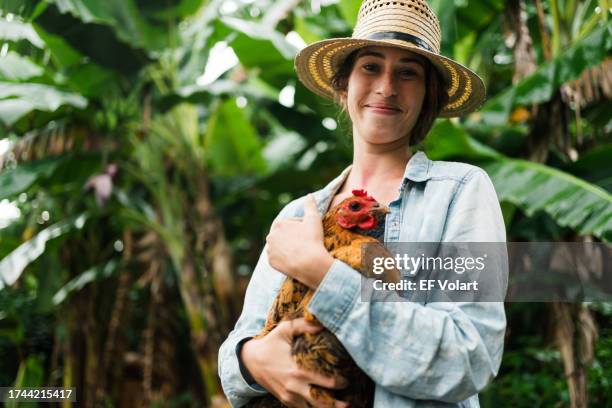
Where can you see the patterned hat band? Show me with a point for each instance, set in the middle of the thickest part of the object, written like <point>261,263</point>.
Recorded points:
<point>396,35</point>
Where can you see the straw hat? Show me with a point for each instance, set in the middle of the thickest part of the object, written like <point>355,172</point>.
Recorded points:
<point>408,24</point>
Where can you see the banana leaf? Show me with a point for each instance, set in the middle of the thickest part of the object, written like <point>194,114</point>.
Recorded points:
<point>231,143</point>
<point>83,279</point>
<point>135,23</point>
<point>17,100</point>
<point>14,67</point>
<point>594,166</point>
<point>18,179</point>
<point>261,47</point>
<point>18,31</point>
<point>570,201</point>
<point>533,187</point>
<point>541,85</point>
<point>446,141</point>
<point>94,40</point>
<point>13,265</point>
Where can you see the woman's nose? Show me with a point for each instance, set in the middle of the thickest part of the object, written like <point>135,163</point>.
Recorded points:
<point>386,85</point>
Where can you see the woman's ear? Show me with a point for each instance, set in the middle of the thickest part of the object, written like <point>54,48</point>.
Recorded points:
<point>342,97</point>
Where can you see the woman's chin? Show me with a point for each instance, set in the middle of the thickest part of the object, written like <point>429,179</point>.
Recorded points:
<point>378,137</point>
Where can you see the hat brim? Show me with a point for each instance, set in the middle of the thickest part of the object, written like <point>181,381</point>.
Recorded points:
<point>317,63</point>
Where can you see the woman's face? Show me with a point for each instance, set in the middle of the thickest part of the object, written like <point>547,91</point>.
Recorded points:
<point>385,93</point>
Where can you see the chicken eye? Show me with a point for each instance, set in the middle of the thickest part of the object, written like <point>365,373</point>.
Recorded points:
<point>354,206</point>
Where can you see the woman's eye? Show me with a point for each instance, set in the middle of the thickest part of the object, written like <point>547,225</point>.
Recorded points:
<point>408,73</point>
<point>370,67</point>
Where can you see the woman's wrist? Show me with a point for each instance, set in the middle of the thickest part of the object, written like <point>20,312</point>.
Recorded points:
<point>319,265</point>
<point>248,356</point>
<point>243,370</point>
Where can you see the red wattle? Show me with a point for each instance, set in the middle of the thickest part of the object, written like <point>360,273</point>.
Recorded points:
<point>369,223</point>
<point>344,223</point>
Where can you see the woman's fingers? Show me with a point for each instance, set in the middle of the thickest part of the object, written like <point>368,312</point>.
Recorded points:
<point>314,378</point>
<point>312,402</point>
<point>334,383</point>
<point>302,398</point>
<point>297,395</point>
<point>295,327</point>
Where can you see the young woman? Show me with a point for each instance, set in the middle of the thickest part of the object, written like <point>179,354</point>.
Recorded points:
<point>392,81</point>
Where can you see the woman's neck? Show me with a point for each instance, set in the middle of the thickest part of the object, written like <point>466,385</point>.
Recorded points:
<point>377,165</point>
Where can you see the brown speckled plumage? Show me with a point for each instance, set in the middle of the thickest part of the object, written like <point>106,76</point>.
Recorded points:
<point>345,231</point>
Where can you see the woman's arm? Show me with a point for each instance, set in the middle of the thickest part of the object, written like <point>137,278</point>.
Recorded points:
<point>441,351</point>
<point>260,294</point>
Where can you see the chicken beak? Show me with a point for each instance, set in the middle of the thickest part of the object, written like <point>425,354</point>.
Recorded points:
<point>381,208</point>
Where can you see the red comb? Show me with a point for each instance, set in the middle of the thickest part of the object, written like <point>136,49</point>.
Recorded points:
<point>362,193</point>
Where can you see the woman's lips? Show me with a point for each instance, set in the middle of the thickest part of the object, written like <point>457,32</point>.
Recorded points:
<point>383,109</point>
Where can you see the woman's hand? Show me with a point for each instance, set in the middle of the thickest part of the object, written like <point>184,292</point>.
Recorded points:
<point>269,361</point>
<point>295,246</point>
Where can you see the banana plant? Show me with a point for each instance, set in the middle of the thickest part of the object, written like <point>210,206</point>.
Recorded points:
<point>202,165</point>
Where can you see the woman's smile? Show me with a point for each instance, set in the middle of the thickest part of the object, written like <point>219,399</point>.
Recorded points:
<point>385,93</point>
<point>383,109</point>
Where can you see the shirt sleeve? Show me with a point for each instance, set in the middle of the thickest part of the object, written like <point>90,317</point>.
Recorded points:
<point>243,370</point>
<point>439,351</point>
<point>261,291</point>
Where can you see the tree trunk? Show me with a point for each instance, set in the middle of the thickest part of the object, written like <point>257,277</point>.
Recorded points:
<point>519,39</point>
<point>575,333</point>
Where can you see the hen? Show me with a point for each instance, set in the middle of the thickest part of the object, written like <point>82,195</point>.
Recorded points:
<point>356,221</point>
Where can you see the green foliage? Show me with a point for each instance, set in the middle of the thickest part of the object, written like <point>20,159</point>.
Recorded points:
<point>600,373</point>
<point>446,141</point>
<point>531,377</point>
<point>13,67</point>
<point>569,200</point>
<point>349,10</point>
<point>26,331</point>
<point>541,85</point>
<point>533,187</point>
<point>18,31</point>
<point>89,276</point>
<point>231,144</point>
<point>86,85</point>
<point>17,100</point>
<point>19,179</point>
<point>13,264</point>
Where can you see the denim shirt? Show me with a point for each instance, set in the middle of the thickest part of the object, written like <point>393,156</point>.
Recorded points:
<point>419,355</point>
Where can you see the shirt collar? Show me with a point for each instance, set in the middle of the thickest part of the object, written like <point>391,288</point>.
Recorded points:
<point>324,196</point>
<point>418,167</point>
<point>417,170</point>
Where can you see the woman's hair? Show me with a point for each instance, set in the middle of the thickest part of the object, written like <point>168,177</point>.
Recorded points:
<point>435,95</point>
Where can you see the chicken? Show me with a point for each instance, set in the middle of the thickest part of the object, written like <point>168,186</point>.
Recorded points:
<point>356,221</point>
